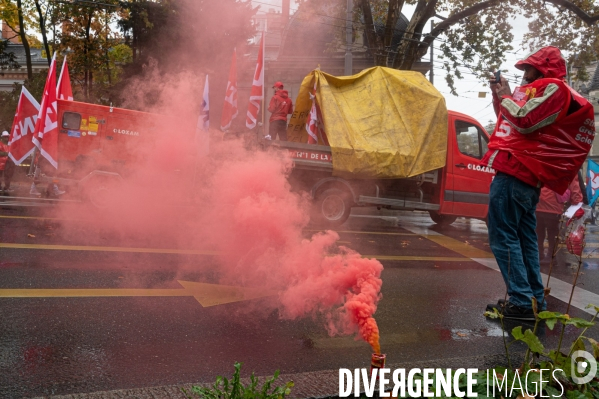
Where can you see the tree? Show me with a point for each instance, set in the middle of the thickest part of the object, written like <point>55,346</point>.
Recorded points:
<point>472,34</point>
<point>24,40</point>
<point>18,16</point>
<point>180,33</point>
<point>42,11</point>
<point>177,36</point>
<point>10,99</point>
<point>86,37</point>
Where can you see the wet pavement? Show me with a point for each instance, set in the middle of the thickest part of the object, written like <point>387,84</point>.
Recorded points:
<point>436,283</point>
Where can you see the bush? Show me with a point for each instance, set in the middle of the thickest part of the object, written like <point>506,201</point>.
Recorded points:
<point>234,389</point>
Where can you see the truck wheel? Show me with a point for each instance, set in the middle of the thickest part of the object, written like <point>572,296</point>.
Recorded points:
<point>102,192</point>
<point>442,220</point>
<point>332,207</point>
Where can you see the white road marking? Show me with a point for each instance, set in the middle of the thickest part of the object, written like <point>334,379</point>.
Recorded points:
<point>559,289</point>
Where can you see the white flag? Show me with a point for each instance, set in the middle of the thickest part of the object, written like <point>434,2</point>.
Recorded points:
<point>203,125</point>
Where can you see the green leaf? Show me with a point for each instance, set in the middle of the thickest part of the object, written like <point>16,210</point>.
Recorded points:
<point>533,342</point>
<point>552,392</point>
<point>517,333</point>
<point>595,346</point>
<point>578,345</point>
<point>550,323</point>
<point>549,315</point>
<point>529,338</point>
<point>590,305</point>
<point>575,394</point>
<point>578,322</point>
<point>492,315</point>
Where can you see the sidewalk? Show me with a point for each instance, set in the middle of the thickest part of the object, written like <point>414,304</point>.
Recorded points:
<point>320,384</point>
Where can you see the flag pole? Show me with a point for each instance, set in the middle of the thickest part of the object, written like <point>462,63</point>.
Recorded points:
<point>263,79</point>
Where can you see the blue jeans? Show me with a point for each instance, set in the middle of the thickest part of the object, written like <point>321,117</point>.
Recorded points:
<point>513,238</point>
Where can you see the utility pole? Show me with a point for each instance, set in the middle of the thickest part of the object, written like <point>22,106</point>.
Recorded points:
<point>431,74</point>
<point>348,39</point>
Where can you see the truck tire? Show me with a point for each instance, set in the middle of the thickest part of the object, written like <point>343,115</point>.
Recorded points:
<point>331,207</point>
<point>442,220</point>
<point>101,192</point>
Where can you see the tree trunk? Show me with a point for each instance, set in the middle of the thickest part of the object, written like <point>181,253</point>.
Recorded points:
<point>43,29</point>
<point>393,14</point>
<point>24,40</point>
<point>380,58</point>
<point>407,50</point>
<point>88,74</point>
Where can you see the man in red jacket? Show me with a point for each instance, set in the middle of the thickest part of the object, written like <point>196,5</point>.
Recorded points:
<point>280,106</point>
<point>7,166</point>
<point>542,136</point>
<point>549,210</point>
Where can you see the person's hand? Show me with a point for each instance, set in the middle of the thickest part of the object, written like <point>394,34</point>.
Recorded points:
<point>502,88</point>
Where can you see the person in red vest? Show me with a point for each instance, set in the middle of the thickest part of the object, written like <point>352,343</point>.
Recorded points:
<point>280,106</point>
<point>7,166</point>
<point>549,210</point>
<point>543,134</point>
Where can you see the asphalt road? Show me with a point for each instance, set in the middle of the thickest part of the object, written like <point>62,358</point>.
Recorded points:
<point>81,312</point>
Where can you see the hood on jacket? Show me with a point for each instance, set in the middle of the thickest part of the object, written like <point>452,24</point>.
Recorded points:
<point>547,60</point>
<point>283,93</point>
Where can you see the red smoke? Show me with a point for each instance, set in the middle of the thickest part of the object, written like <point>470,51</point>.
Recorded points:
<point>238,202</point>
<point>256,223</point>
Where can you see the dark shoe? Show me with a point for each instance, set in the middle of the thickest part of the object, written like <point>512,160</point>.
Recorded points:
<point>498,305</point>
<point>511,311</point>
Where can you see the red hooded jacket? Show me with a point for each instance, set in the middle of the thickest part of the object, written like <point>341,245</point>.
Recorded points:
<point>3,159</point>
<point>545,129</point>
<point>549,202</point>
<point>280,106</point>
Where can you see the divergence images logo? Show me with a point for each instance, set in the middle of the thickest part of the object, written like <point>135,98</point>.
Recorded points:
<point>579,366</point>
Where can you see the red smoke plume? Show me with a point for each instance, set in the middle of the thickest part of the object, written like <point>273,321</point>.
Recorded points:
<point>256,223</point>
<point>240,204</point>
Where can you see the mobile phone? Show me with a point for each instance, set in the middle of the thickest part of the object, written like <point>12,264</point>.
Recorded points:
<point>498,76</point>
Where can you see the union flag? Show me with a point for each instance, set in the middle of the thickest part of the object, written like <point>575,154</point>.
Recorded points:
<point>257,93</point>
<point>45,135</point>
<point>230,106</point>
<point>63,88</point>
<point>19,142</point>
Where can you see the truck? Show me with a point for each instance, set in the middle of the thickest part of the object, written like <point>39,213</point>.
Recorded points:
<point>447,188</point>
<point>99,147</point>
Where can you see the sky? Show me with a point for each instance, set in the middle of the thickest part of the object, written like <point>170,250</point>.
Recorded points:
<point>468,89</point>
<point>467,101</point>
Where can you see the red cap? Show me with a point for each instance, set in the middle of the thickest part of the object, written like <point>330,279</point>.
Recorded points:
<point>278,84</point>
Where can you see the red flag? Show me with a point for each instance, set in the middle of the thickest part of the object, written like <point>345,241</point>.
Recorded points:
<point>313,125</point>
<point>230,105</point>
<point>19,143</point>
<point>257,93</point>
<point>45,135</point>
<point>63,88</point>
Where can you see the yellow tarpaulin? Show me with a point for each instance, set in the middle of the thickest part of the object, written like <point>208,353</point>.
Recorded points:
<point>381,123</point>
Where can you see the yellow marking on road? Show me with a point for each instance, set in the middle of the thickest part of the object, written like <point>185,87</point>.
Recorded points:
<point>366,232</point>
<point>199,252</point>
<point>206,294</point>
<point>458,246</point>
<point>108,249</point>
<point>33,217</point>
<point>421,258</point>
